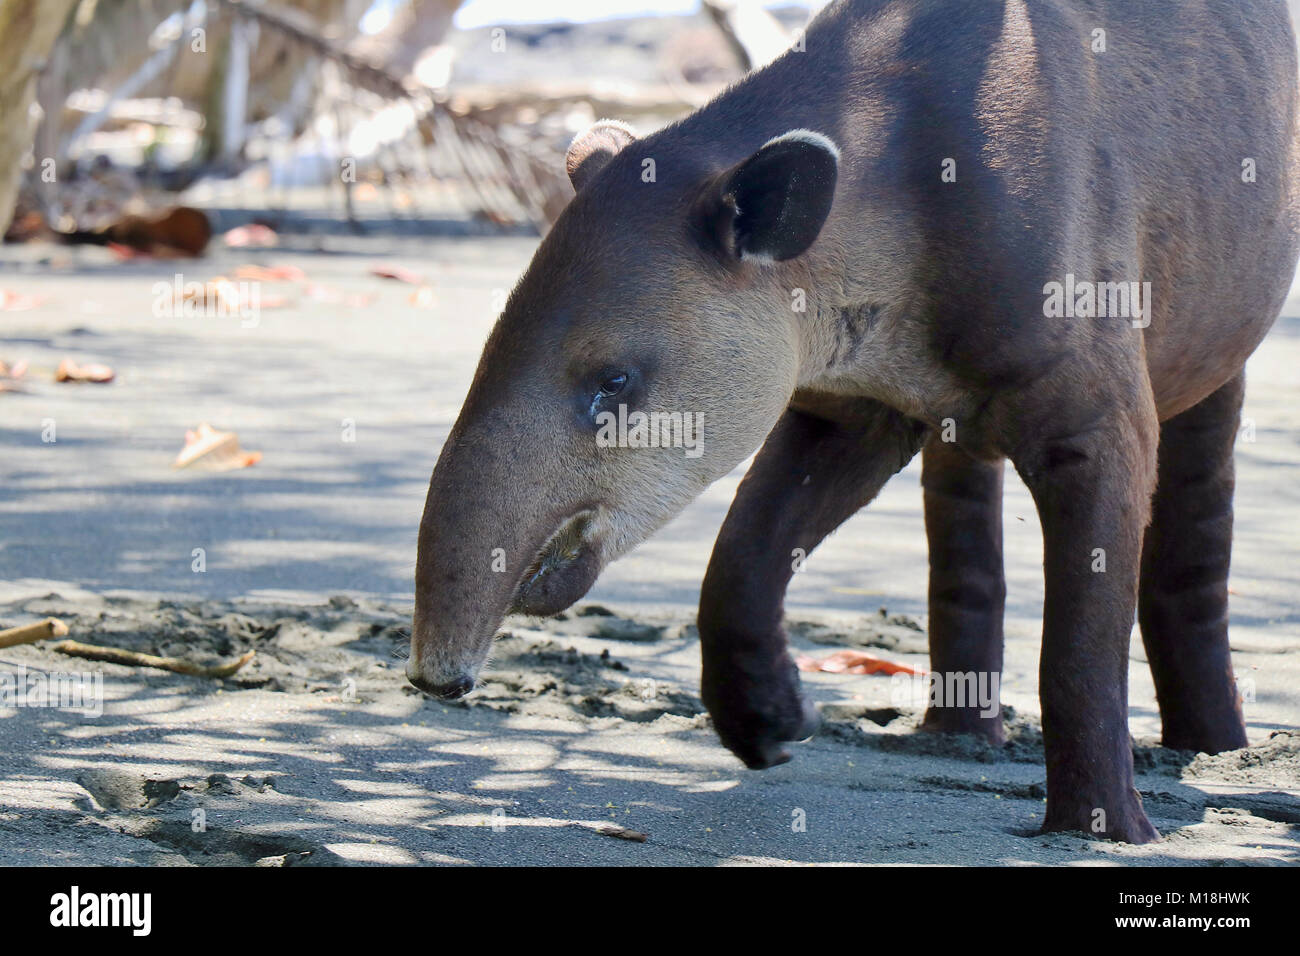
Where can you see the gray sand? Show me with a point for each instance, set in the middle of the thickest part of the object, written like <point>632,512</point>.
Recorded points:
<point>318,752</point>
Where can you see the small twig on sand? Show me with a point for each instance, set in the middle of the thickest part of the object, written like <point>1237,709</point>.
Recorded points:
<point>53,627</point>
<point>31,633</point>
<point>118,655</point>
<point>612,830</point>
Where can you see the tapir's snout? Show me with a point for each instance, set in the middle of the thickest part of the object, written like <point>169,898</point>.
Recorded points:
<point>500,534</point>
<point>452,691</point>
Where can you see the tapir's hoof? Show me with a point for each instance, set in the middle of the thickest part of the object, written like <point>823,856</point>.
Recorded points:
<point>1139,833</point>
<point>758,735</point>
<point>953,720</point>
<point>762,754</point>
<point>1128,825</point>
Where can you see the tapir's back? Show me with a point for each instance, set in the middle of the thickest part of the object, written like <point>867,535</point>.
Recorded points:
<point>1113,140</point>
<point>1195,112</point>
<point>1149,141</point>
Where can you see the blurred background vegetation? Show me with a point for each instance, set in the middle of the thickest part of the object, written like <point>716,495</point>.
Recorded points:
<point>418,115</point>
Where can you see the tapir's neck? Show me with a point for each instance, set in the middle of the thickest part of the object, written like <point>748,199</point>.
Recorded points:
<point>853,296</point>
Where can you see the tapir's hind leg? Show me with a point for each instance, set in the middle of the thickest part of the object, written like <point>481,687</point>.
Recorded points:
<point>1183,597</point>
<point>963,521</point>
<point>811,475</point>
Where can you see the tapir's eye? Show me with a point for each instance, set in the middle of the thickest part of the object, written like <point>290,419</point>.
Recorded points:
<point>613,385</point>
<point>611,382</point>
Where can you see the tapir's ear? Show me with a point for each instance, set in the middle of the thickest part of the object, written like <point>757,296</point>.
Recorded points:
<point>772,206</point>
<point>593,148</point>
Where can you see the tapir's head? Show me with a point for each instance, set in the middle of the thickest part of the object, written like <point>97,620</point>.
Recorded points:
<point>647,351</point>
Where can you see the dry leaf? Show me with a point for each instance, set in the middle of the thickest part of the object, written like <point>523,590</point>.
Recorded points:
<point>386,271</point>
<point>270,273</point>
<point>11,301</point>
<point>225,296</point>
<point>213,449</point>
<point>217,291</point>
<point>423,297</point>
<point>10,375</point>
<point>853,662</point>
<point>70,371</point>
<point>125,253</point>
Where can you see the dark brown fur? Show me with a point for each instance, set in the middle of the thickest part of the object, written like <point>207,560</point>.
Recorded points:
<point>925,310</point>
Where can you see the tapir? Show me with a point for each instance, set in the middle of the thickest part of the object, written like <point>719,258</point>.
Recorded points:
<point>1043,231</point>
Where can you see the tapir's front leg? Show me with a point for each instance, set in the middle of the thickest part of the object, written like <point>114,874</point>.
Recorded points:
<point>963,524</point>
<point>1093,490</point>
<point>811,475</point>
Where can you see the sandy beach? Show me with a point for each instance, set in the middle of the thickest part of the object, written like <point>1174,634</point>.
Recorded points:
<point>586,742</point>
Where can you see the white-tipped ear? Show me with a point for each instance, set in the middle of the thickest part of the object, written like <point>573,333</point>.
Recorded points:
<point>774,203</point>
<point>812,138</point>
<point>593,148</point>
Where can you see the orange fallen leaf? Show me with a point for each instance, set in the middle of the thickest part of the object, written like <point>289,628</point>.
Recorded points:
<point>270,273</point>
<point>70,371</point>
<point>214,449</point>
<point>219,292</point>
<point>853,662</point>
<point>125,253</point>
<point>17,370</point>
<point>386,271</point>
<point>10,375</point>
<point>11,301</point>
<point>229,297</point>
<point>423,297</point>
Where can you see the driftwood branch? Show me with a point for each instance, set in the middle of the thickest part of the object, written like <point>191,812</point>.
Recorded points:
<point>31,633</point>
<point>363,73</point>
<point>470,145</point>
<point>53,627</point>
<point>118,655</point>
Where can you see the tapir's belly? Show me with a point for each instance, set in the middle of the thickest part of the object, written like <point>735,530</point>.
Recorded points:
<point>1214,317</point>
<point>1185,371</point>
